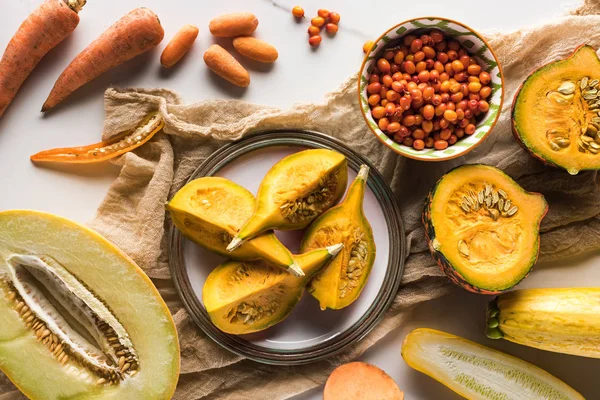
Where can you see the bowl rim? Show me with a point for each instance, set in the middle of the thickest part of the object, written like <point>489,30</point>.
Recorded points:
<point>425,158</point>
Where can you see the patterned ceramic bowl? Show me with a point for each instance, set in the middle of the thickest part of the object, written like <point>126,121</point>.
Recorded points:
<point>477,47</point>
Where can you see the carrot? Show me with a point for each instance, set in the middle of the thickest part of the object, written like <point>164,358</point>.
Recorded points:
<point>360,381</point>
<point>93,153</point>
<point>46,26</point>
<point>178,46</point>
<point>136,33</point>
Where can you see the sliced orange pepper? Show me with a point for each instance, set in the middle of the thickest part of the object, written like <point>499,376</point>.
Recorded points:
<point>103,151</point>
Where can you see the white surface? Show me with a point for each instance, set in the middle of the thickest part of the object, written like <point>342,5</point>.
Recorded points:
<point>306,326</point>
<point>300,74</point>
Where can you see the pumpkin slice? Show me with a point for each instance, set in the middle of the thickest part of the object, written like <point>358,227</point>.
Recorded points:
<point>360,381</point>
<point>295,191</point>
<point>477,372</point>
<point>483,228</point>
<point>246,297</point>
<point>341,282</point>
<point>211,210</point>
<point>79,319</point>
<point>555,112</point>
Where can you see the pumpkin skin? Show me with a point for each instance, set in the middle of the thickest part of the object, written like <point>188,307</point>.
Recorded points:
<point>504,247</point>
<point>551,131</point>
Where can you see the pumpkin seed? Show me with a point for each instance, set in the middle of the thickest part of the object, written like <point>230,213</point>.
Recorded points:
<point>567,88</point>
<point>584,83</point>
<point>463,248</point>
<point>465,207</point>
<point>502,193</point>
<point>507,205</point>
<point>311,205</point>
<point>554,146</point>
<point>501,204</point>
<point>480,197</point>
<point>593,83</point>
<point>512,211</point>
<point>562,142</point>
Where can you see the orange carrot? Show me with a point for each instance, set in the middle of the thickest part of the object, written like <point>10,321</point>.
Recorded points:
<point>93,153</point>
<point>46,26</point>
<point>136,33</point>
<point>178,46</point>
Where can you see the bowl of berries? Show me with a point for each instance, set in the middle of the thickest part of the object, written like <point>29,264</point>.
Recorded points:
<point>430,88</point>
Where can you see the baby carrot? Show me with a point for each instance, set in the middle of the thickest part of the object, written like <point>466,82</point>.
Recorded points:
<point>46,26</point>
<point>178,46</point>
<point>103,151</point>
<point>135,33</point>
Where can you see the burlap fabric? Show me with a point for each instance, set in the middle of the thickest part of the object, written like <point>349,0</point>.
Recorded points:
<point>133,216</point>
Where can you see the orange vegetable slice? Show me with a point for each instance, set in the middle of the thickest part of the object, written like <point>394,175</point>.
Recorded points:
<point>103,151</point>
<point>361,381</point>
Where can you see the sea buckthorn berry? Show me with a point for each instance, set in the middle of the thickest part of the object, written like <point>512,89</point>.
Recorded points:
<point>438,66</point>
<point>374,88</point>
<point>393,127</point>
<point>366,47</point>
<point>444,123</point>
<point>457,66</point>
<point>323,13</point>
<point>439,110</point>
<point>428,112</point>
<point>462,105</point>
<point>474,87</point>
<point>315,31</point>
<point>397,76</point>
<point>465,60</point>
<point>399,57</point>
<point>408,39</point>
<point>409,67</point>
<point>416,45</point>
<point>483,106</point>
<point>428,93</point>
<point>445,97</point>
<point>374,100</point>
<point>448,69</point>
<point>383,124</point>
<point>424,76</point>
<point>383,92</point>
<point>387,80</point>
<point>334,17</point>
<point>298,12</point>
<point>440,145</point>
<point>418,144</point>
<point>332,28</point>
<point>394,68</point>
<point>441,46</point>
<point>434,75</point>
<point>397,86</point>
<point>485,78</point>
<point>436,35</point>
<point>452,55</point>
<point>383,65</point>
<point>465,122</point>
<point>426,39</point>
<point>427,126</point>
<point>474,69</point>
<point>436,100</point>
<point>442,57</point>
<point>392,95</point>
<point>453,45</point>
<point>418,134</point>
<point>459,132</point>
<point>470,129</point>
<point>460,114</point>
<point>408,141</point>
<point>445,134</point>
<point>418,119</point>
<point>409,57</point>
<point>456,97</point>
<point>460,76</point>
<point>485,92</point>
<point>318,21</point>
<point>452,140</point>
<point>408,120</point>
<point>455,87</point>
<point>451,106</point>
<point>422,86</point>
<point>378,112</point>
<point>411,86</point>
<point>390,108</point>
<point>421,66</point>
<point>383,102</point>
<point>445,86</point>
<point>468,114</point>
<point>419,56</point>
<point>473,79</point>
<point>315,40</point>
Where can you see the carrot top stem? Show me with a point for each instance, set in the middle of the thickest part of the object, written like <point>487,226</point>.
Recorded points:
<point>75,5</point>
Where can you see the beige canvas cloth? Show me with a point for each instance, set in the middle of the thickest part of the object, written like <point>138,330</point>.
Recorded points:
<point>132,214</point>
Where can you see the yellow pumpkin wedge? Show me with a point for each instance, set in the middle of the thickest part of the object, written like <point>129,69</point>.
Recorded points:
<point>555,112</point>
<point>210,211</point>
<point>341,282</point>
<point>244,297</point>
<point>79,319</point>
<point>295,191</point>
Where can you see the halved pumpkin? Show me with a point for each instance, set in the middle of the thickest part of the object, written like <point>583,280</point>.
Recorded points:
<point>78,318</point>
<point>556,112</point>
<point>483,228</point>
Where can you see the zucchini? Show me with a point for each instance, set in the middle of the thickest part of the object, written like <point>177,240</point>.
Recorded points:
<point>559,320</point>
<point>480,373</point>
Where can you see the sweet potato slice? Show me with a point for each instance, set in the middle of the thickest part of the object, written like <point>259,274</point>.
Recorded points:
<point>361,381</point>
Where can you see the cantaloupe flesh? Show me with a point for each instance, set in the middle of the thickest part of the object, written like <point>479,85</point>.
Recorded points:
<point>531,118</point>
<point>502,251</point>
<point>114,278</point>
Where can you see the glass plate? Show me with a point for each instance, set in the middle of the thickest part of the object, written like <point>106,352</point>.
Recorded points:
<point>308,334</point>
